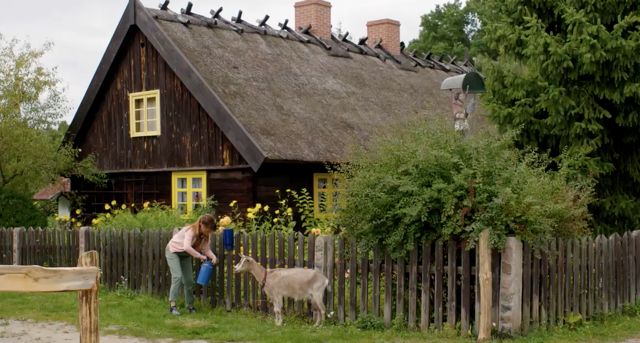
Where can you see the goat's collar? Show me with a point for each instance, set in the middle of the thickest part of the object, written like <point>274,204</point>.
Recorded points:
<point>264,278</point>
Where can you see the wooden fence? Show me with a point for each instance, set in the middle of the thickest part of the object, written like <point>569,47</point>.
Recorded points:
<point>360,282</point>
<point>435,285</point>
<point>587,277</point>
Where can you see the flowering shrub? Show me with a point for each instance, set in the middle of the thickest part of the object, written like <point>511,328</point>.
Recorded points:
<point>150,216</point>
<point>262,218</point>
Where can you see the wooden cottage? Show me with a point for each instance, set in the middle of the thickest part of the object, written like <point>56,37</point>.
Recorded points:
<point>186,106</point>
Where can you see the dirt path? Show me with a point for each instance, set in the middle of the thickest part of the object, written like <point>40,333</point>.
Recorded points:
<point>27,331</point>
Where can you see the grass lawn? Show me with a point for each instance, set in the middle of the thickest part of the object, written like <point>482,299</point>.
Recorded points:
<point>145,316</point>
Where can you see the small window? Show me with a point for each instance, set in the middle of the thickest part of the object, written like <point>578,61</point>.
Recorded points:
<point>327,194</point>
<point>189,190</point>
<point>144,113</point>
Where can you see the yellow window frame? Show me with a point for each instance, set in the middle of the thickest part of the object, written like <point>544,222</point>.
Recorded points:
<point>189,189</point>
<point>144,96</point>
<point>329,191</point>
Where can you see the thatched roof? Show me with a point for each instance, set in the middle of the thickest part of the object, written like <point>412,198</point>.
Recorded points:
<point>285,95</point>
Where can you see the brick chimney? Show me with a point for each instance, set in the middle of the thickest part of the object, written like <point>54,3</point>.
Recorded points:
<point>386,29</point>
<point>317,13</point>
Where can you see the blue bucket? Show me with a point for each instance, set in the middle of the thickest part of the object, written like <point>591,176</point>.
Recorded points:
<point>204,275</point>
<point>227,239</point>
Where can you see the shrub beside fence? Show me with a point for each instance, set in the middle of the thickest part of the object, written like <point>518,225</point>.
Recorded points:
<point>436,286</point>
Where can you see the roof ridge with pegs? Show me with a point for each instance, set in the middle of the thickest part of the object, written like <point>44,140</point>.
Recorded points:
<point>304,35</point>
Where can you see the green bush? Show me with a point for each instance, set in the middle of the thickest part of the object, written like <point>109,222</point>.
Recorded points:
<point>16,210</point>
<point>427,182</point>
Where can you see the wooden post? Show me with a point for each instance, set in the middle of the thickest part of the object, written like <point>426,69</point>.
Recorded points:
<point>16,245</point>
<point>88,302</point>
<point>484,328</point>
<point>83,243</point>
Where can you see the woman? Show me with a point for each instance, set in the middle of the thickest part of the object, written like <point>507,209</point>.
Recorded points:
<point>191,241</point>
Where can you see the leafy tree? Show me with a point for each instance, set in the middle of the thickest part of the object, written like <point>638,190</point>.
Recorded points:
<point>447,30</point>
<point>428,182</point>
<point>568,77</point>
<point>31,106</point>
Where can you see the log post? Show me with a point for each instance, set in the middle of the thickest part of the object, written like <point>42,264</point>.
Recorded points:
<point>88,302</point>
<point>484,328</point>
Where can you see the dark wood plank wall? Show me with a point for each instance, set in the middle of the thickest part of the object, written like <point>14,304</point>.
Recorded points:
<point>189,137</point>
<point>124,188</point>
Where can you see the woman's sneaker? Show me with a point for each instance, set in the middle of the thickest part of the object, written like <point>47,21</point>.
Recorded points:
<point>191,309</point>
<point>174,310</point>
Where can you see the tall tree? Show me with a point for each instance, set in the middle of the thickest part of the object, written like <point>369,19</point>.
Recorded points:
<point>447,30</point>
<point>31,106</point>
<point>568,77</point>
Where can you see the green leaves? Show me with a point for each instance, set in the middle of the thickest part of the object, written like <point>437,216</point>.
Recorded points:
<point>427,182</point>
<point>568,76</point>
<point>31,106</point>
<point>447,30</point>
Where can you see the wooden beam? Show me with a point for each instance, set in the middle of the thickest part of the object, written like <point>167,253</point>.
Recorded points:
<point>39,279</point>
<point>88,314</point>
<point>484,328</point>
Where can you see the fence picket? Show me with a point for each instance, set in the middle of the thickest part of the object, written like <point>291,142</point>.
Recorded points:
<point>340,259</point>
<point>388,270</point>
<point>375,282</point>
<point>526,287</point>
<point>426,287</point>
<point>353,279</point>
<point>451,283</point>
<point>437,296</point>
<point>331,260</point>
<point>465,291</point>
<point>413,281</point>
<point>364,283</point>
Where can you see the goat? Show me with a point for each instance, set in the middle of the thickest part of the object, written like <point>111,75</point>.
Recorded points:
<point>296,283</point>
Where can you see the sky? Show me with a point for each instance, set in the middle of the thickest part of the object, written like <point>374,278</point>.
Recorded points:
<point>80,30</point>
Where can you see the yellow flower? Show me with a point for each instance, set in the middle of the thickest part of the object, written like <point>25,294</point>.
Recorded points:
<point>277,191</point>
<point>95,221</point>
<point>146,204</point>
<point>78,224</point>
<point>78,211</point>
<point>275,220</point>
<point>107,207</point>
<point>108,215</point>
<point>113,203</point>
<point>288,190</point>
<point>133,205</point>
<point>124,207</point>
<point>289,211</point>
<point>258,206</point>
<point>266,208</point>
<point>233,203</point>
<point>73,220</point>
<point>225,221</point>
<point>277,212</point>
<point>65,218</point>
<point>250,215</point>
<point>251,210</point>
<point>315,231</point>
